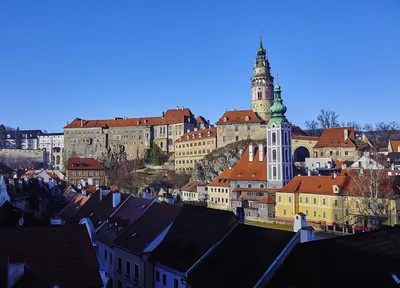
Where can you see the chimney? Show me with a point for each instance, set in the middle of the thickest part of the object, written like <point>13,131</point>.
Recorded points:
<point>309,172</point>
<point>300,221</point>
<point>334,175</point>
<point>182,108</point>
<point>116,199</point>
<point>104,192</point>
<point>251,153</point>
<point>81,122</point>
<point>344,166</point>
<point>146,194</point>
<point>67,123</point>
<point>195,129</point>
<point>15,272</point>
<point>260,152</point>
<point>188,130</point>
<point>346,134</point>
<point>306,234</point>
<point>177,107</point>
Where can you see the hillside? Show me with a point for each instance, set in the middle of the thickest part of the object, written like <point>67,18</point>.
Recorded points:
<point>220,159</point>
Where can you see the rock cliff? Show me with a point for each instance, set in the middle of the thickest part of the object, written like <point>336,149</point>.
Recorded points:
<point>220,159</point>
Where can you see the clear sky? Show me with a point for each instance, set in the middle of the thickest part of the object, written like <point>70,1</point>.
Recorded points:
<point>62,59</point>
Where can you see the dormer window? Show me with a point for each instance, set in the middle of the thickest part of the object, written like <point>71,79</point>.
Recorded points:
<point>225,119</point>
<point>247,118</point>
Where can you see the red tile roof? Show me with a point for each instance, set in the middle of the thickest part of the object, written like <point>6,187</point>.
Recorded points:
<point>84,164</point>
<point>172,116</point>
<point>319,184</point>
<point>395,145</point>
<point>297,131</point>
<point>201,120</point>
<point>252,171</point>
<point>301,137</point>
<point>239,116</point>
<point>192,186</point>
<point>77,202</point>
<point>54,254</point>
<point>222,180</point>
<point>267,200</point>
<point>199,134</point>
<point>264,190</point>
<point>334,137</point>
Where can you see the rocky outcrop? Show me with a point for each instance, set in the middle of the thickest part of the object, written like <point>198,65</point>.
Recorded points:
<point>220,159</point>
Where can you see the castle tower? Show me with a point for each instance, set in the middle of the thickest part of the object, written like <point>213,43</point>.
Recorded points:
<point>279,144</point>
<point>262,85</point>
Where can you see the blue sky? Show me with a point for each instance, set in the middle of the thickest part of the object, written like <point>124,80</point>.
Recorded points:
<point>105,58</point>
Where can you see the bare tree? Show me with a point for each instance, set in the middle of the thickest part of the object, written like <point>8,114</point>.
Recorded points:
<point>375,192</point>
<point>380,133</point>
<point>312,128</point>
<point>328,119</point>
<point>3,134</point>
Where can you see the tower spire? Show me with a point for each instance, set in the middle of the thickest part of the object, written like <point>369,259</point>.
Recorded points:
<point>261,44</point>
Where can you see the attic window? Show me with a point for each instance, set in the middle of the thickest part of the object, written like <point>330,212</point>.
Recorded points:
<point>254,174</point>
<point>319,186</point>
<point>225,119</point>
<point>247,118</point>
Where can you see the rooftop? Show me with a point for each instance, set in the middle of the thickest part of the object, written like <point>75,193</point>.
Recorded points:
<point>53,254</point>
<point>248,251</point>
<point>199,134</point>
<point>239,116</point>
<point>193,232</point>
<point>192,186</point>
<point>84,164</point>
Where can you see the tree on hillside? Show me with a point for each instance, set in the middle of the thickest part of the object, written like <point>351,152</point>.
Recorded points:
<point>328,119</point>
<point>380,133</point>
<point>375,192</point>
<point>155,155</point>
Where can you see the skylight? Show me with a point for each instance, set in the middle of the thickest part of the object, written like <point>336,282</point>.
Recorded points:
<point>134,234</point>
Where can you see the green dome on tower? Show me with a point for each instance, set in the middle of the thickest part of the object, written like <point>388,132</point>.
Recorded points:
<point>278,109</point>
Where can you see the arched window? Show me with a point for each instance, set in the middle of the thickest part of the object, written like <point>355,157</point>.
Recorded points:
<point>287,172</point>
<point>273,138</point>
<point>261,185</point>
<point>249,186</point>
<point>238,185</point>
<point>274,155</point>
<point>57,160</point>
<point>161,144</point>
<point>286,139</point>
<point>274,172</point>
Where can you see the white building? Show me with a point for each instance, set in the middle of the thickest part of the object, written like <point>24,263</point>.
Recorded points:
<point>366,162</point>
<point>53,146</point>
<point>29,139</point>
<point>194,191</point>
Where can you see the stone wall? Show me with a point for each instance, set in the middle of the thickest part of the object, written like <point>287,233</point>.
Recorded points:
<point>22,158</point>
<point>230,133</point>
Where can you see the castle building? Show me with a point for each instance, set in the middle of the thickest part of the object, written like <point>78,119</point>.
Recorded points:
<point>94,138</point>
<point>52,145</point>
<point>237,125</point>
<point>194,146</point>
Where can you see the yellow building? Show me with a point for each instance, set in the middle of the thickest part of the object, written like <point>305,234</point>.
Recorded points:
<point>219,191</point>
<point>325,200</point>
<point>193,146</point>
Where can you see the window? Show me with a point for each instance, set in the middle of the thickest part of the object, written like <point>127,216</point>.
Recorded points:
<point>136,275</point>
<point>249,186</point>
<point>301,199</point>
<point>315,213</point>
<point>284,211</point>
<point>279,199</point>
<point>330,153</point>
<point>336,217</point>
<point>105,255</point>
<point>337,153</point>
<point>261,185</point>
<point>335,202</point>
<point>273,138</point>
<point>237,185</point>
<point>164,279</point>
<point>306,212</point>
<point>274,172</point>
<point>119,264</point>
<point>274,155</point>
<point>323,201</point>
<point>315,201</point>
<point>323,214</point>
<point>237,138</point>
<point>346,153</point>
<point>259,95</point>
<point>290,199</point>
<point>306,200</point>
<point>128,268</point>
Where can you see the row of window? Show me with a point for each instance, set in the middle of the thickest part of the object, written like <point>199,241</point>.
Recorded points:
<point>127,273</point>
<point>83,173</point>
<point>314,201</point>
<point>220,190</point>
<point>321,153</point>
<point>184,169</point>
<point>251,186</point>
<point>194,152</point>
<point>195,144</point>
<point>219,200</point>
<point>191,161</point>
<point>77,182</point>
<point>164,279</point>
<point>224,139</point>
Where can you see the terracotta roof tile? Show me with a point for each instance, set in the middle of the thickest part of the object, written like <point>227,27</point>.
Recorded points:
<point>334,137</point>
<point>199,134</point>
<point>172,116</point>
<point>239,116</point>
<point>192,186</point>
<point>201,120</point>
<point>301,137</point>
<point>84,164</point>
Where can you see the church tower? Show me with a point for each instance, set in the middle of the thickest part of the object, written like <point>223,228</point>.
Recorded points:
<point>279,144</point>
<point>262,85</point>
